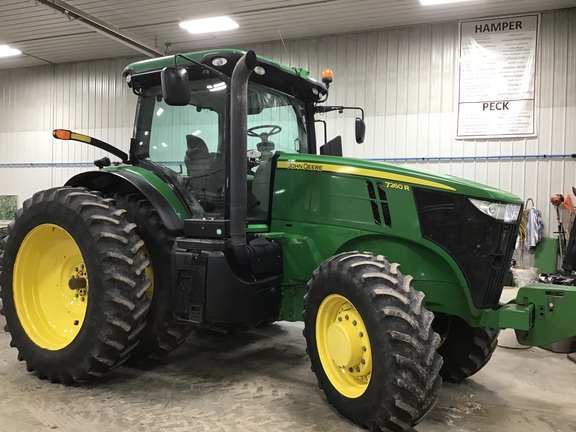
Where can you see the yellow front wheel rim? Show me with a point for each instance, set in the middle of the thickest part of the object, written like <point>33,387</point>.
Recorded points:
<point>343,346</point>
<point>50,286</point>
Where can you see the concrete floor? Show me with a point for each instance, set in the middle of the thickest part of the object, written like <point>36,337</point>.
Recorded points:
<point>261,381</point>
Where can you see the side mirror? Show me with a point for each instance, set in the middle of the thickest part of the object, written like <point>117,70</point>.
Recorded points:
<point>360,130</point>
<point>175,86</point>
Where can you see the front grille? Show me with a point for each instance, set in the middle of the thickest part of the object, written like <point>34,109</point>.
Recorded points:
<point>481,246</point>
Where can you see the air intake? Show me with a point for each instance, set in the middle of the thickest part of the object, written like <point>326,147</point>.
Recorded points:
<point>379,203</point>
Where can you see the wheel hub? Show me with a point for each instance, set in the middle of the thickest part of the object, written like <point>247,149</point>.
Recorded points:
<point>344,342</point>
<point>78,283</point>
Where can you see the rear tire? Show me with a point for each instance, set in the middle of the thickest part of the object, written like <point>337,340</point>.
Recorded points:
<point>73,285</point>
<point>370,342</point>
<point>465,349</point>
<point>163,333</point>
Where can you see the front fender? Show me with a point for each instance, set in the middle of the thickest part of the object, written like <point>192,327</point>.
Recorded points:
<point>434,272</point>
<point>133,180</point>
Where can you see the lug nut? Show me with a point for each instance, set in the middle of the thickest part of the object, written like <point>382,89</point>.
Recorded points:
<point>351,370</point>
<point>364,348</point>
<point>363,361</point>
<point>354,322</point>
<point>346,316</point>
<point>357,369</point>
<point>361,334</point>
<point>339,318</point>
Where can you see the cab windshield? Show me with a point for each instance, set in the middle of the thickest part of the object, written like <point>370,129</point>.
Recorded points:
<point>189,143</point>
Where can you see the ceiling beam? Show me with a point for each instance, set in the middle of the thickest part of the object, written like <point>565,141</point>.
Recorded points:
<point>101,27</point>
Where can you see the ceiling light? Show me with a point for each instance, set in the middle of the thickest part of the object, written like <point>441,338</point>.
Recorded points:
<point>216,87</point>
<point>439,2</point>
<point>209,25</point>
<point>6,51</point>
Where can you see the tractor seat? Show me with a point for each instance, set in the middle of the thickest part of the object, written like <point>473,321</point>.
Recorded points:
<point>197,158</point>
<point>206,174</point>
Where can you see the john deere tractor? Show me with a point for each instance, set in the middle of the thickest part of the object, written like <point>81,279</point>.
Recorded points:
<point>228,212</point>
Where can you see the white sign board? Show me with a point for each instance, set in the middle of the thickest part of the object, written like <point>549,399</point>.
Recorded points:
<point>497,78</point>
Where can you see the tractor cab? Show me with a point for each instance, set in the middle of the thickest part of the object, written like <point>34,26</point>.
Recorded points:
<point>188,142</point>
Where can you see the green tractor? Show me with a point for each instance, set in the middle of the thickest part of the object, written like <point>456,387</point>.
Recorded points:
<point>227,212</point>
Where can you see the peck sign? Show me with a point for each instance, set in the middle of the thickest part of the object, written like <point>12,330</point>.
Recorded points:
<point>497,78</point>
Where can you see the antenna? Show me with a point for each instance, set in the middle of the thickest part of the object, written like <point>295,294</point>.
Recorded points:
<point>282,39</point>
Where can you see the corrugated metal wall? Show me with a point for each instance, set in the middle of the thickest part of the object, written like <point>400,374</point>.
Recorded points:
<point>406,80</point>
<point>89,98</point>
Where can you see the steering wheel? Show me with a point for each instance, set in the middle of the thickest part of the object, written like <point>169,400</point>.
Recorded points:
<point>274,129</point>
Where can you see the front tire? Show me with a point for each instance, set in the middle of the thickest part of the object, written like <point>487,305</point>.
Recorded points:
<point>370,342</point>
<point>465,349</point>
<point>73,285</point>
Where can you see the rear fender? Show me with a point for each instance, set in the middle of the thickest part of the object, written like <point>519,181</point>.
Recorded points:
<point>125,180</point>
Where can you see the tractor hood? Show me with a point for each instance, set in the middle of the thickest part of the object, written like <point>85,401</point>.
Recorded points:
<point>395,173</point>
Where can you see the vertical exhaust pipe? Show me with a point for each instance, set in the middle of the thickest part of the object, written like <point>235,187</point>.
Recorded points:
<point>238,150</point>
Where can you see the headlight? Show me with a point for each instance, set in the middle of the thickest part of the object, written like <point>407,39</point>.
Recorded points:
<point>502,211</point>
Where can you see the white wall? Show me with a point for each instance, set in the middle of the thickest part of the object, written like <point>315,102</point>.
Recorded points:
<point>89,98</point>
<point>406,79</point>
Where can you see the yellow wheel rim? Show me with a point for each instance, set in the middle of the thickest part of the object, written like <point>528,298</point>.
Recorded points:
<point>50,286</point>
<point>343,346</point>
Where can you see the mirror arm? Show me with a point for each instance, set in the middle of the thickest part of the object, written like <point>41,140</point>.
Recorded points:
<point>325,129</point>
<point>340,109</point>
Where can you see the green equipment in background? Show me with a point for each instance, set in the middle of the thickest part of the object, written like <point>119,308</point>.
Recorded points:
<point>546,255</point>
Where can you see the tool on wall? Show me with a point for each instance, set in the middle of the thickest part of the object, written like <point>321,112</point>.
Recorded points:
<point>556,201</point>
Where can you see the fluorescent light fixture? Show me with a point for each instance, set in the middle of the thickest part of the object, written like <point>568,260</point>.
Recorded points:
<point>196,132</point>
<point>163,144</point>
<point>209,25</point>
<point>159,112</point>
<point>6,51</point>
<point>216,87</point>
<point>439,2</point>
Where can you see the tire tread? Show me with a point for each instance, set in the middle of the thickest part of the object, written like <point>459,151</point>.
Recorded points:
<point>111,250</point>
<point>406,345</point>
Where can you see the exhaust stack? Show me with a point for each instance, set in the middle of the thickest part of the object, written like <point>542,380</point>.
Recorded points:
<point>238,150</point>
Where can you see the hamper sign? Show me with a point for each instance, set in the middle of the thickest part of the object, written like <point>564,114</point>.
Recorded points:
<point>497,78</point>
